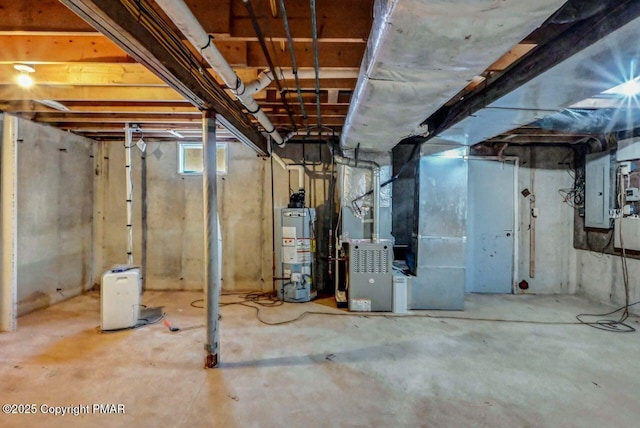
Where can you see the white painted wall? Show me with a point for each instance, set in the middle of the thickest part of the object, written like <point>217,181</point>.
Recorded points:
<point>55,215</point>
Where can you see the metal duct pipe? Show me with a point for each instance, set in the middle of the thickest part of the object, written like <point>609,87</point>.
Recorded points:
<point>288,167</point>
<point>186,22</point>
<point>375,171</point>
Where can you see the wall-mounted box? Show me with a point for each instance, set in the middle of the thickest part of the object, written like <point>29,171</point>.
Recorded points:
<point>599,194</point>
<point>628,149</point>
<point>629,228</point>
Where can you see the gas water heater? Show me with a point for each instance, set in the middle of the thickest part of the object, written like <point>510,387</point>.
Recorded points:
<point>296,241</point>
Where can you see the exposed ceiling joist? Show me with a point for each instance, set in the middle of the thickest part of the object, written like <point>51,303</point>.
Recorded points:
<point>228,18</point>
<point>118,23</point>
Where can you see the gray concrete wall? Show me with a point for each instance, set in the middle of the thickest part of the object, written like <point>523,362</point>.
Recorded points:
<point>175,243</point>
<point>55,215</point>
<point>554,255</point>
<point>599,276</point>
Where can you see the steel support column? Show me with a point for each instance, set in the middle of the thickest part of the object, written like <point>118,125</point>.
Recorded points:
<point>8,224</point>
<point>211,248</point>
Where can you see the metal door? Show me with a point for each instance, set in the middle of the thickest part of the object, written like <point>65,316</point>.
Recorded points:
<point>490,226</point>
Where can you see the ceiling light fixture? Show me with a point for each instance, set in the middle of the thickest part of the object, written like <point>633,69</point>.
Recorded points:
<point>628,89</point>
<point>24,79</point>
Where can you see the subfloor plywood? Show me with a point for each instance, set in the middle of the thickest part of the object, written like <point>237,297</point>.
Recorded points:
<point>325,371</point>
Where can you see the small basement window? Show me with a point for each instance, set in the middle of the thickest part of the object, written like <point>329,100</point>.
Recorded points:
<point>190,160</point>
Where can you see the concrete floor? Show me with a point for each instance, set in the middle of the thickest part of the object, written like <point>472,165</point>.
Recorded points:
<point>326,371</point>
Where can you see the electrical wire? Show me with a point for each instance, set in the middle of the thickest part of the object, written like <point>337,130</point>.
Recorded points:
<point>265,51</point>
<point>619,325</point>
<point>294,65</point>
<point>614,326</point>
<point>316,63</point>
<point>269,300</point>
<point>142,322</point>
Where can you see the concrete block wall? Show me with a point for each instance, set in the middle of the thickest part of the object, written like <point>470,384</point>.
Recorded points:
<point>55,215</point>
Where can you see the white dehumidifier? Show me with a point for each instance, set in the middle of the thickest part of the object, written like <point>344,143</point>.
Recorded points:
<point>120,297</point>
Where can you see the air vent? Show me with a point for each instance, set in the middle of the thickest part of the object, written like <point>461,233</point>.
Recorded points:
<point>370,260</point>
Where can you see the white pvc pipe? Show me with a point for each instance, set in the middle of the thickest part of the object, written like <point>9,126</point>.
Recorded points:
<point>129,185</point>
<point>8,171</point>
<point>288,167</point>
<point>265,77</point>
<point>184,19</point>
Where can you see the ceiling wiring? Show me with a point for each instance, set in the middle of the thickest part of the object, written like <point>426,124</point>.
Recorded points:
<point>265,50</point>
<point>316,62</point>
<point>294,65</point>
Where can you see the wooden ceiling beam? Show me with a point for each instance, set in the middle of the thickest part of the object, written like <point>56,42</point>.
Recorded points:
<point>97,108</point>
<point>336,19</point>
<point>102,74</point>
<point>41,15</point>
<point>47,48</point>
<point>116,118</point>
<point>342,55</point>
<point>222,18</point>
<point>85,74</point>
<point>36,49</point>
<point>123,26</point>
<point>82,126</point>
<point>95,93</point>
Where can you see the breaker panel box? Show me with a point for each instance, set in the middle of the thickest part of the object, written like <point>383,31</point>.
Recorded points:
<point>120,292</point>
<point>599,194</point>
<point>296,241</point>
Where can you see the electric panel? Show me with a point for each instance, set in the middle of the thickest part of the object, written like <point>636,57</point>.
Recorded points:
<point>599,197</point>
